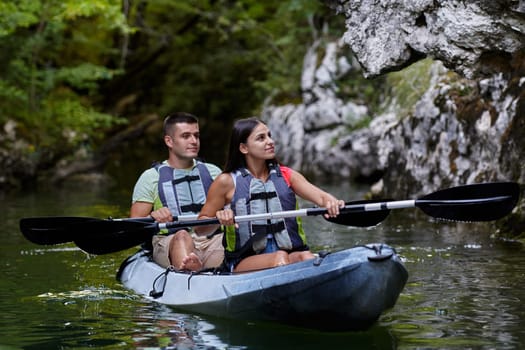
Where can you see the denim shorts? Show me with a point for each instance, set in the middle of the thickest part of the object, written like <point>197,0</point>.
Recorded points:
<point>271,246</point>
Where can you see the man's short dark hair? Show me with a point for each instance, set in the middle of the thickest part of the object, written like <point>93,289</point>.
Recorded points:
<point>178,117</point>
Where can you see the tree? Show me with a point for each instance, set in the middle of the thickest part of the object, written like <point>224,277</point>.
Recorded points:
<point>52,62</point>
<point>67,66</point>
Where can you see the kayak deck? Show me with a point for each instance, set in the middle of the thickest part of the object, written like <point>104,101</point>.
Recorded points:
<point>345,290</point>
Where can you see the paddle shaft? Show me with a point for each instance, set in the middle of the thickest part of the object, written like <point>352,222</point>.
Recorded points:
<point>244,218</point>
<point>476,202</point>
<point>252,217</point>
<point>181,218</point>
<point>413,203</point>
<point>350,208</point>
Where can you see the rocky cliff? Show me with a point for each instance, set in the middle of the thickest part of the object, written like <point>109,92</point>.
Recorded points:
<point>469,37</point>
<point>453,111</point>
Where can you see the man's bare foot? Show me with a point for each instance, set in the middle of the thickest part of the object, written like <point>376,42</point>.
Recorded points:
<point>191,263</point>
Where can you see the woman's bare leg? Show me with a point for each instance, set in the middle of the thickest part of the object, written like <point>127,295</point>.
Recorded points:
<point>301,256</point>
<point>263,261</point>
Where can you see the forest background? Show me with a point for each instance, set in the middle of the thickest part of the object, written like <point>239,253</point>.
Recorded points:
<point>85,79</point>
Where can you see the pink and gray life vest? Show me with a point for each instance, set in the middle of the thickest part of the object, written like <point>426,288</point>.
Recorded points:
<point>254,196</point>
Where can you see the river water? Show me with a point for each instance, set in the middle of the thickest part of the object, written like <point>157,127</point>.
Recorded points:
<point>465,290</point>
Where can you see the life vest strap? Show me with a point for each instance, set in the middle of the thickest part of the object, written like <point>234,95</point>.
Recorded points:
<point>268,228</point>
<point>263,195</point>
<point>194,208</point>
<point>187,178</point>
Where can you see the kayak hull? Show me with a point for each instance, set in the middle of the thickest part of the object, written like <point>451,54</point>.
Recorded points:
<point>345,290</point>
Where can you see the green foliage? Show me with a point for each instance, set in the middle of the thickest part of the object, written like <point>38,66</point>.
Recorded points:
<point>408,85</point>
<point>52,59</point>
<point>260,44</point>
<point>360,124</point>
<point>66,63</point>
<point>218,59</point>
<point>20,15</point>
<point>291,35</point>
<point>70,120</point>
<point>84,75</point>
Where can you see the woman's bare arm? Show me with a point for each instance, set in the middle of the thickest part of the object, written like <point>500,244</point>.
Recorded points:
<point>219,195</point>
<point>306,190</point>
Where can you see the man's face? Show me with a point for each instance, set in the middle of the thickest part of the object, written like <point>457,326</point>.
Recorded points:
<point>184,142</point>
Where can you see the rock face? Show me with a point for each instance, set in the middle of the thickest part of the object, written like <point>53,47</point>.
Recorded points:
<point>455,137</point>
<point>459,131</point>
<point>308,132</point>
<point>469,37</point>
<point>466,126</point>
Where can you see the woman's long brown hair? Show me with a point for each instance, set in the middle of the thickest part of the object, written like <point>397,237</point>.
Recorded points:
<point>240,133</point>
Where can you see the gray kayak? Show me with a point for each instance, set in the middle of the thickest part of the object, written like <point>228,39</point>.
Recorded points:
<point>339,291</point>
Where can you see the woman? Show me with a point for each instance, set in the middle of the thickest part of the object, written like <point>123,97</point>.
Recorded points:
<point>253,183</point>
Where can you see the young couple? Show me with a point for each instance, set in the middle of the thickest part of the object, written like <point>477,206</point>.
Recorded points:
<point>252,183</point>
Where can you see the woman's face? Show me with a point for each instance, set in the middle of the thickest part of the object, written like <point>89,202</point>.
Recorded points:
<point>259,144</point>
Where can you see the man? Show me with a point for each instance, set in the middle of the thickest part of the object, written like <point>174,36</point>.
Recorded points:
<point>176,187</point>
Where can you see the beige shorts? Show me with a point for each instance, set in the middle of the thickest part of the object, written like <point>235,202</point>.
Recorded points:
<point>210,251</point>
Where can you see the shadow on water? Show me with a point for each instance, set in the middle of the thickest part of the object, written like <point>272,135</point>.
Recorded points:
<point>105,318</point>
<point>272,337</point>
<point>171,330</point>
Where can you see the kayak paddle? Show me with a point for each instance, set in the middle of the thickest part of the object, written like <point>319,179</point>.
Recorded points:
<point>476,202</point>
<point>104,236</point>
<point>62,229</point>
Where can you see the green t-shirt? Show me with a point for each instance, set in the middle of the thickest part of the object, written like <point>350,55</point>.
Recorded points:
<point>146,189</point>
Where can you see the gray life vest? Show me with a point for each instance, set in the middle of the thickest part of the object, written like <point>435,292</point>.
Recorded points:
<point>183,191</point>
<point>254,196</point>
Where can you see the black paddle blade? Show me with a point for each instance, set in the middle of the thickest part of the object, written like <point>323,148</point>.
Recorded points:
<point>476,202</point>
<point>354,214</point>
<point>52,229</point>
<point>108,236</point>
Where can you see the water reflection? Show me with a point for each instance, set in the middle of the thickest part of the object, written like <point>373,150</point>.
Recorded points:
<point>169,330</point>
<point>460,295</point>
<point>465,290</point>
<point>166,329</point>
